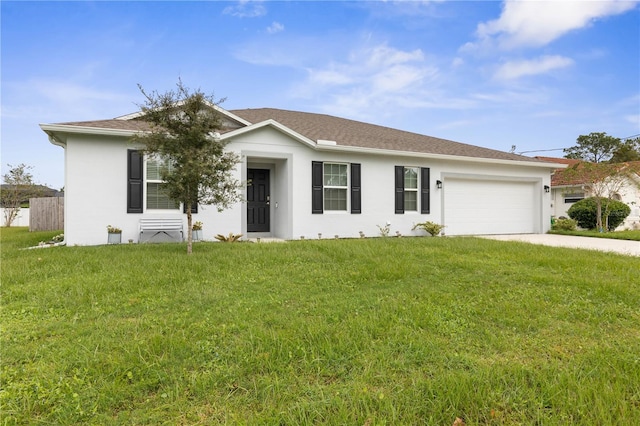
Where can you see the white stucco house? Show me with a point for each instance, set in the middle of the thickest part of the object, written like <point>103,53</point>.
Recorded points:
<point>567,189</point>
<point>311,175</point>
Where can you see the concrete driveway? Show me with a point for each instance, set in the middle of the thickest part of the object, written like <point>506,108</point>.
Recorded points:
<point>630,248</point>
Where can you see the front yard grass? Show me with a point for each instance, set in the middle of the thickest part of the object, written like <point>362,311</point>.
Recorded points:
<point>616,235</point>
<point>365,331</point>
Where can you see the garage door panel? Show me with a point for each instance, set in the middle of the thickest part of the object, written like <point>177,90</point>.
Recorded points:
<point>475,207</point>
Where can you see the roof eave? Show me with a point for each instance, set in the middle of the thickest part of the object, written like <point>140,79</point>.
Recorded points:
<point>55,130</point>
<point>87,129</point>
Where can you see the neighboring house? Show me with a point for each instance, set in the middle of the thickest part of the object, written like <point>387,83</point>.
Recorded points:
<point>311,175</point>
<point>567,188</point>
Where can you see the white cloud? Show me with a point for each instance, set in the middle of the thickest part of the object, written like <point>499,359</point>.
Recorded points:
<point>457,62</point>
<point>537,23</point>
<point>61,100</point>
<point>516,69</point>
<point>246,9</point>
<point>329,77</point>
<point>275,27</point>
<point>384,56</point>
<point>370,78</point>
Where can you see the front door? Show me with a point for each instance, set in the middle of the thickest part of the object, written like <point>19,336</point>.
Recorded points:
<point>258,200</point>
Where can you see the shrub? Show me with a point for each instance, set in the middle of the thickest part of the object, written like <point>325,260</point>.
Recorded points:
<point>564,224</point>
<point>231,238</point>
<point>431,228</point>
<point>585,211</point>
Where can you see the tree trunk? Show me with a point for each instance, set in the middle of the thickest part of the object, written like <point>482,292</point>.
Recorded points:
<point>189,229</point>
<point>599,214</point>
<point>10,214</point>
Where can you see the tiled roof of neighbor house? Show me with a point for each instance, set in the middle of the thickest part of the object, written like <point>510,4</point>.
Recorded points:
<point>358,134</point>
<point>560,177</point>
<point>343,131</point>
<point>567,177</point>
<point>568,161</point>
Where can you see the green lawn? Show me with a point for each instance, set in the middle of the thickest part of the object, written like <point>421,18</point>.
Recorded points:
<point>617,235</point>
<point>380,331</point>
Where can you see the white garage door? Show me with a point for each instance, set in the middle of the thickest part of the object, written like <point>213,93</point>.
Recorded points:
<point>477,207</point>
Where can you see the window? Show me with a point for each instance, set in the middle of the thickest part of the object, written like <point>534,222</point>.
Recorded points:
<point>156,197</point>
<point>333,188</point>
<point>412,189</point>
<point>573,198</point>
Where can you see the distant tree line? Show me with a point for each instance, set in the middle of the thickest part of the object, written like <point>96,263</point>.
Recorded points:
<point>598,147</point>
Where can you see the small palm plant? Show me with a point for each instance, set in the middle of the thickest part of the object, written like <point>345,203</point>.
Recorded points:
<point>431,228</point>
<point>231,238</point>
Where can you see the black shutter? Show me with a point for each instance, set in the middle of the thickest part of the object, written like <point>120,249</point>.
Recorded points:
<point>316,187</point>
<point>399,189</point>
<point>194,208</point>
<point>135,181</point>
<point>425,200</point>
<point>356,199</point>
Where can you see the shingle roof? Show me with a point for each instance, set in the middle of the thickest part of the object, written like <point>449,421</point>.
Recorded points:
<point>343,131</point>
<point>358,134</point>
<point>115,124</point>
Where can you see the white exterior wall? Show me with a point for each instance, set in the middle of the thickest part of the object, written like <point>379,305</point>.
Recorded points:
<point>96,189</point>
<point>96,195</point>
<point>292,219</point>
<point>630,194</point>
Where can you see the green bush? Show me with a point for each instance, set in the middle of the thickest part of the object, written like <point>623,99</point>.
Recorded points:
<point>431,228</point>
<point>585,211</point>
<point>564,224</point>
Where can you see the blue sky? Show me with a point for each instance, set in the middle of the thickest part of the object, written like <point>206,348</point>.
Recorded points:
<point>495,74</point>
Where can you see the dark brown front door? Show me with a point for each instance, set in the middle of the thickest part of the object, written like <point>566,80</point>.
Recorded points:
<point>258,200</point>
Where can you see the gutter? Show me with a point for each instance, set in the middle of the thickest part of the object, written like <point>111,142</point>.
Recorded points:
<point>320,145</point>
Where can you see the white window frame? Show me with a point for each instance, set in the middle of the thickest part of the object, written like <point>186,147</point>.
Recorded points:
<point>156,181</point>
<point>344,187</point>
<point>573,197</point>
<point>415,191</point>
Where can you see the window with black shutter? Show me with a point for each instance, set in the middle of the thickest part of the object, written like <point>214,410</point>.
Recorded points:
<point>399,189</point>
<point>332,187</point>
<point>425,199</point>
<point>412,189</point>
<point>135,183</point>
<point>316,187</point>
<point>356,199</point>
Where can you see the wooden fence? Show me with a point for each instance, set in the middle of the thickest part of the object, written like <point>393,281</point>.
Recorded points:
<point>46,214</point>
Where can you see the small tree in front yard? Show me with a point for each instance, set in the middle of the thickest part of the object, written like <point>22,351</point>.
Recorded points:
<point>17,189</point>
<point>184,134</point>
<point>603,181</point>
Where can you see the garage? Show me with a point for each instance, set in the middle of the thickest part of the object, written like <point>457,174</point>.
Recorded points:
<point>484,206</point>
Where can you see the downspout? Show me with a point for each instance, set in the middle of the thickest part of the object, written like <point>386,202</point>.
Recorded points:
<point>55,141</point>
